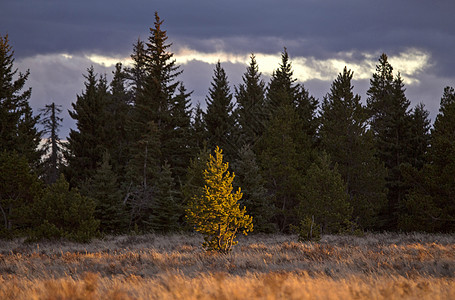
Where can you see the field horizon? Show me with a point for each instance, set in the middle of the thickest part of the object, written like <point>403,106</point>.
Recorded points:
<point>174,266</point>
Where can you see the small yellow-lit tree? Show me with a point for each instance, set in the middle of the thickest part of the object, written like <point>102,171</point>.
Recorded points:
<point>215,212</point>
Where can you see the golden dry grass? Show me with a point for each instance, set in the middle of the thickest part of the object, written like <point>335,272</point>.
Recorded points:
<point>381,266</point>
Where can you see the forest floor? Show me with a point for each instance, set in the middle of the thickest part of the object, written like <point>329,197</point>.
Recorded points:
<point>376,266</point>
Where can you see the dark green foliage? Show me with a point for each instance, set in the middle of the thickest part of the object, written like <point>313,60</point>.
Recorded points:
<point>63,213</point>
<point>87,144</point>
<point>19,189</point>
<point>286,149</point>
<point>431,204</point>
<point>390,124</point>
<point>324,197</point>
<point>18,130</point>
<point>307,230</point>
<point>284,157</point>
<point>165,208</point>
<point>219,118</point>
<point>282,89</point>
<point>420,136</point>
<point>53,147</point>
<point>118,110</point>
<point>104,189</point>
<point>345,138</point>
<point>255,198</point>
<point>250,112</point>
<point>180,145</point>
<point>194,183</point>
<point>198,130</point>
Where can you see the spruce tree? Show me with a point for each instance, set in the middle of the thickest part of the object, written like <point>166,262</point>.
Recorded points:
<point>324,197</point>
<point>18,130</point>
<point>287,147</point>
<point>250,112</point>
<point>165,207</point>
<point>255,198</point>
<point>53,146</point>
<point>198,130</point>
<point>63,213</point>
<point>104,189</point>
<point>87,144</point>
<point>420,136</point>
<point>345,138</point>
<point>180,145</point>
<point>19,189</point>
<point>219,118</point>
<point>430,203</point>
<point>390,124</point>
<point>217,214</point>
<point>284,158</point>
<point>118,110</point>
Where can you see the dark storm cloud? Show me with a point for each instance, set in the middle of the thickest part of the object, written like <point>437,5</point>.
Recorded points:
<point>316,28</point>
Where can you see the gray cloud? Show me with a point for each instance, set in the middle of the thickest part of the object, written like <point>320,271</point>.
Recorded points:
<point>311,28</point>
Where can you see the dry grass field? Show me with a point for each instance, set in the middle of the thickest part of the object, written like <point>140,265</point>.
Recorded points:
<point>380,266</point>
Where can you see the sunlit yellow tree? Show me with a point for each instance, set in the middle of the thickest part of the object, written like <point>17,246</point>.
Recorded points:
<point>216,212</point>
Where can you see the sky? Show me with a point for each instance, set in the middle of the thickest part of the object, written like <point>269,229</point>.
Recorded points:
<point>58,40</point>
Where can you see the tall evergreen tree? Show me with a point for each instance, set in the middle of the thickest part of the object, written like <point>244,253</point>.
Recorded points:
<point>19,189</point>
<point>431,204</point>
<point>250,112</point>
<point>87,144</point>
<point>286,149</point>
<point>420,136</point>
<point>118,111</point>
<point>18,130</point>
<point>390,123</point>
<point>53,147</point>
<point>180,145</point>
<point>104,189</point>
<point>324,197</point>
<point>165,207</point>
<point>256,198</point>
<point>219,118</point>
<point>345,138</point>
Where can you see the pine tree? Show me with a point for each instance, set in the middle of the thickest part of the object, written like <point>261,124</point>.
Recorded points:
<point>165,208</point>
<point>104,189</point>
<point>53,147</point>
<point>87,144</point>
<point>430,203</point>
<point>198,130</point>
<point>118,111</point>
<point>19,189</point>
<point>282,90</point>
<point>284,158</point>
<point>63,213</point>
<point>420,136</point>
<point>255,196</point>
<point>217,214</point>
<point>18,130</point>
<point>287,147</point>
<point>180,144</point>
<point>194,183</point>
<point>250,112</point>
<point>154,99</point>
<point>390,123</point>
<point>137,73</point>
<point>219,118</point>
<point>345,138</point>
<point>324,197</point>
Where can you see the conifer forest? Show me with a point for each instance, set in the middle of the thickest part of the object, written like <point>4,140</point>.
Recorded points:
<point>261,192</point>
<point>137,159</point>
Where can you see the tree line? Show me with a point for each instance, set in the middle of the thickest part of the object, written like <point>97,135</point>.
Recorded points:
<point>139,150</point>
